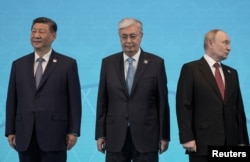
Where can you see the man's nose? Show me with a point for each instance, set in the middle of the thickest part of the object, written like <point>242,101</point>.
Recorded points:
<point>36,35</point>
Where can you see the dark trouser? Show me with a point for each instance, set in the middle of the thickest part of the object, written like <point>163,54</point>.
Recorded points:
<point>129,153</point>
<point>193,158</point>
<point>35,154</point>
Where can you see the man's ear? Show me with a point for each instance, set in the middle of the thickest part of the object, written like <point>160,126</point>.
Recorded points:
<point>210,43</point>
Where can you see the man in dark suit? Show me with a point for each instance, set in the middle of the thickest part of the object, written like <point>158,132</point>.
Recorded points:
<point>209,113</point>
<point>43,118</point>
<point>132,124</point>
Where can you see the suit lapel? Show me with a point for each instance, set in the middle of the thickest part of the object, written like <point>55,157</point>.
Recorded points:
<point>142,65</point>
<point>30,71</point>
<point>50,66</point>
<point>207,73</point>
<point>228,81</point>
<point>119,67</point>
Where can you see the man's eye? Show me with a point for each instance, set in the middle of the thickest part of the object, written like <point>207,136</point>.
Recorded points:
<point>132,36</point>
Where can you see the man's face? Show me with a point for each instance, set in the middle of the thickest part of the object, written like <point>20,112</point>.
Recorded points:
<point>220,46</point>
<point>130,39</point>
<point>41,37</point>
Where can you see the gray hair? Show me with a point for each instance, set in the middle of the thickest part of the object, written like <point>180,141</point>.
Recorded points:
<point>210,36</point>
<point>126,22</point>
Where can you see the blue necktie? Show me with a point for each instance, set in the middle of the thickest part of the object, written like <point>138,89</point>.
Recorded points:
<point>130,74</point>
<point>39,71</point>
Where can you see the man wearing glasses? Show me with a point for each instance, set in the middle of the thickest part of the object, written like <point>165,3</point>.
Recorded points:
<point>132,119</point>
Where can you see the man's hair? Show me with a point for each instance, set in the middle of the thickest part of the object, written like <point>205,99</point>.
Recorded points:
<point>126,22</point>
<point>44,20</point>
<point>210,36</point>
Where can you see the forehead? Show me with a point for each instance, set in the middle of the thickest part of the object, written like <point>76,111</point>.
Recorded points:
<point>40,26</point>
<point>132,29</point>
<point>222,36</point>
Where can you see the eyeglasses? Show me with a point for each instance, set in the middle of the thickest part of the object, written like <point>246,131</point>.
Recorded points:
<point>130,36</point>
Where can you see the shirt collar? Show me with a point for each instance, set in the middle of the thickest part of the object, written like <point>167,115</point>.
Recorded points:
<point>45,57</point>
<point>209,60</point>
<point>135,57</point>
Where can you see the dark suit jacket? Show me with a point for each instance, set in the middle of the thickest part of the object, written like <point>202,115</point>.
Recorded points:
<point>146,108</point>
<point>201,112</point>
<point>54,108</point>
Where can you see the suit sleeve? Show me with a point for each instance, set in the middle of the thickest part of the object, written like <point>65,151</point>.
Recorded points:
<point>11,103</point>
<point>163,104</point>
<point>101,111</point>
<point>184,104</point>
<point>243,134</point>
<point>75,108</point>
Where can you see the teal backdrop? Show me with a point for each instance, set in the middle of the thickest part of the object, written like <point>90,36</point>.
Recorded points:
<point>87,31</point>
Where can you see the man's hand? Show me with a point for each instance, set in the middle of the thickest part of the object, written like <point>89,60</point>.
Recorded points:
<point>163,146</point>
<point>190,146</point>
<point>101,143</point>
<point>71,141</point>
<point>12,140</point>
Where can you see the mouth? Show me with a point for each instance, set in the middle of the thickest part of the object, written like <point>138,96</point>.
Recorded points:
<point>36,41</point>
<point>129,47</point>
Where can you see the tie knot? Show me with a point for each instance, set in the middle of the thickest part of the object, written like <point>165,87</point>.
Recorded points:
<point>40,60</point>
<point>130,60</point>
<point>216,65</point>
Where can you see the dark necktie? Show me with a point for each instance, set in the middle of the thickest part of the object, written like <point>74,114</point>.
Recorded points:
<point>39,71</point>
<point>218,79</point>
<point>130,74</point>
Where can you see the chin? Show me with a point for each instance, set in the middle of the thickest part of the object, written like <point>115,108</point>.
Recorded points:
<point>223,58</point>
<point>35,45</point>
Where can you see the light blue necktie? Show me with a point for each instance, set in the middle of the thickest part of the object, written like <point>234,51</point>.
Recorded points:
<point>39,71</point>
<point>130,74</point>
